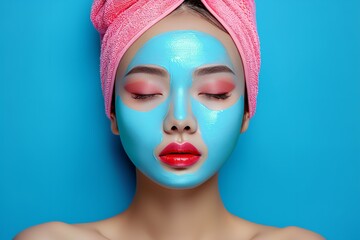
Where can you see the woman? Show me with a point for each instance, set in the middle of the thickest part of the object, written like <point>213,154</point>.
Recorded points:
<point>179,87</point>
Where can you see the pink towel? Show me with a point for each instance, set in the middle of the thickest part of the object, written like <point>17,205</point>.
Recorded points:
<point>121,22</point>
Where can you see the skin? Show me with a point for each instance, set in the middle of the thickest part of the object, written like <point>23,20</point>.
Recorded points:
<point>163,213</point>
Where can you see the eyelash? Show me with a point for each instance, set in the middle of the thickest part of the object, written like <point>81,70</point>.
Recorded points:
<point>220,96</point>
<point>144,96</point>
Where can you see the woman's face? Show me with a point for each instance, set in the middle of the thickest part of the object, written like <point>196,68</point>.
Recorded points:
<point>179,101</point>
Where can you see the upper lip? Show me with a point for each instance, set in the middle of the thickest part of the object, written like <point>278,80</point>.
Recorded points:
<point>183,148</point>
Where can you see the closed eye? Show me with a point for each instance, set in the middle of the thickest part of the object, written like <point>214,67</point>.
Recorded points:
<point>217,96</point>
<point>138,96</point>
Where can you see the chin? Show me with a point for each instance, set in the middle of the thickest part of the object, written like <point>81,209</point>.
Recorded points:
<point>185,181</point>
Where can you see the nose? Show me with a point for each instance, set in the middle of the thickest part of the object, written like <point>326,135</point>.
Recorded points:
<point>187,125</point>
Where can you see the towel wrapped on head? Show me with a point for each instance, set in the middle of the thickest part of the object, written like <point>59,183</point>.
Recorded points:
<point>121,22</point>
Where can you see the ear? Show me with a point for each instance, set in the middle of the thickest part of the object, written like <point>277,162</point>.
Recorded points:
<point>245,122</point>
<point>114,126</point>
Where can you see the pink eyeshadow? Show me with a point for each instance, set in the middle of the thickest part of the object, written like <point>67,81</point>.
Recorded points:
<point>141,87</point>
<point>217,87</point>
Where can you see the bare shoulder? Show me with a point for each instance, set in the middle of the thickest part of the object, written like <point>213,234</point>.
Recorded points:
<point>59,231</point>
<point>287,233</point>
<point>253,231</point>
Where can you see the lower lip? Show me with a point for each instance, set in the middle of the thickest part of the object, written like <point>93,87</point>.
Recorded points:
<point>180,160</point>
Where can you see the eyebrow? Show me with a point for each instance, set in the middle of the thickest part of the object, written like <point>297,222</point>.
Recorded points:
<point>148,70</point>
<point>213,69</point>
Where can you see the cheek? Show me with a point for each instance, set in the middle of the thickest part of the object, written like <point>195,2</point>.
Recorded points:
<point>219,129</point>
<point>140,132</point>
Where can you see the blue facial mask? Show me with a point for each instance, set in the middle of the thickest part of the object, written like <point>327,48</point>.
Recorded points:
<point>180,53</point>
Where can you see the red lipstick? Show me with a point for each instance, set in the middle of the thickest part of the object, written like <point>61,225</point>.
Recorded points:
<point>180,155</point>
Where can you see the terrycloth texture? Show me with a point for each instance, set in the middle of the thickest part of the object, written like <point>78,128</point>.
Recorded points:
<point>121,22</point>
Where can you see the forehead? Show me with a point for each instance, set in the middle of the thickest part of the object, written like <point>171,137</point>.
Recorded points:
<point>183,21</point>
<point>187,49</point>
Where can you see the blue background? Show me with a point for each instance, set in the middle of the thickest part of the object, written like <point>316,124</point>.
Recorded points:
<point>298,164</point>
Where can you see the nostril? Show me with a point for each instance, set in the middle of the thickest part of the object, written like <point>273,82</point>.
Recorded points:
<point>173,128</point>
<point>187,128</point>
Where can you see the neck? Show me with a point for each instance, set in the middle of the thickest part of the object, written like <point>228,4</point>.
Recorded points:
<point>162,213</point>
